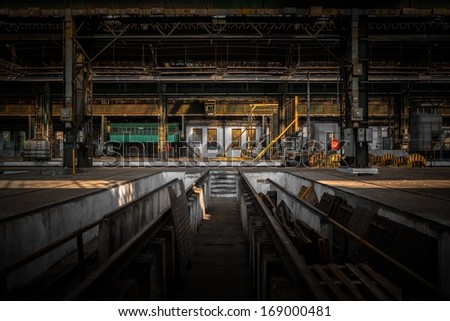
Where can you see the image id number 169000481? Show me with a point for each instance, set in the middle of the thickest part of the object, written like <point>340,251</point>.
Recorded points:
<point>295,311</point>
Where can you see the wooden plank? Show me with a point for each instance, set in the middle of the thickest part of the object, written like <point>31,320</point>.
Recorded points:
<point>330,283</point>
<point>384,283</point>
<point>270,202</point>
<point>308,195</point>
<point>298,230</point>
<point>324,250</point>
<point>346,281</point>
<point>326,203</point>
<point>360,220</point>
<point>303,189</point>
<point>368,284</point>
<point>183,232</point>
<point>413,249</point>
<point>311,197</point>
<point>342,215</point>
<point>380,233</point>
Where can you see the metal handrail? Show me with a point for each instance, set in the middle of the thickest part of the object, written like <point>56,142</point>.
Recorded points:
<point>297,267</point>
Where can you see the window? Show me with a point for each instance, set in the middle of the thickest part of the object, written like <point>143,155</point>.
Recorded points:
<point>6,140</point>
<point>211,138</point>
<point>251,138</point>
<point>197,135</point>
<point>172,130</point>
<point>236,138</point>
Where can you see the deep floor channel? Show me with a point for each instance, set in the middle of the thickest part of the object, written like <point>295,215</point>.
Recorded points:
<point>219,266</point>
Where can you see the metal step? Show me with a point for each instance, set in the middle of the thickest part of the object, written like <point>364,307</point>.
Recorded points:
<point>224,184</point>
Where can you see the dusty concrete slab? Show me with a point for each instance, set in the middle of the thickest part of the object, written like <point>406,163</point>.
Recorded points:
<point>220,268</point>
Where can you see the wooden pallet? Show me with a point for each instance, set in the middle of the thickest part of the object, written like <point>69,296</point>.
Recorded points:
<point>355,282</point>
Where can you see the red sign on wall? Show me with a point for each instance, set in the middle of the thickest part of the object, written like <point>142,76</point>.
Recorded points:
<point>334,144</point>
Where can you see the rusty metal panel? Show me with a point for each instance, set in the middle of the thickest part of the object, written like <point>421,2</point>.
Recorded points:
<point>78,12</point>
<point>133,11</point>
<point>51,12</point>
<point>246,11</point>
<point>289,10</point>
<point>272,12</point>
<point>157,10</point>
<point>330,11</point>
<point>316,11</point>
<point>416,11</point>
<point>169,12</point>
<point>34,12</point>
<point>18,12</point>
<point>441,11</point>
<point>91,11</point>
<point>101,11</point>
<point>116,11</point>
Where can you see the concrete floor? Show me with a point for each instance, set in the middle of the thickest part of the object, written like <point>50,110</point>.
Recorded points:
<point>219,264</point>
<point>23,190</point>
<point>422,192</point>
<point>419,191</point>
<point>220,269</point>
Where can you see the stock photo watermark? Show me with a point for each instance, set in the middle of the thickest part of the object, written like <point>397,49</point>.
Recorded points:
<point>310,154</point>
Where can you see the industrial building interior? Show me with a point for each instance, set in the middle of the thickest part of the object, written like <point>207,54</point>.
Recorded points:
<point>224,150</point>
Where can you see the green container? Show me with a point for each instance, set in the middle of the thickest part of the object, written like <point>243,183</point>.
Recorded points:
<point>141,133</point>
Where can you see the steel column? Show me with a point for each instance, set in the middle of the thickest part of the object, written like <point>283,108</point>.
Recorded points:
<point>162,119</point>
<point>360,110</point>
<point>69,133</point>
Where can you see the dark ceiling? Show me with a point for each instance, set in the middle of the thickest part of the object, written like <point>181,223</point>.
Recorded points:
<point>225,54</point>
